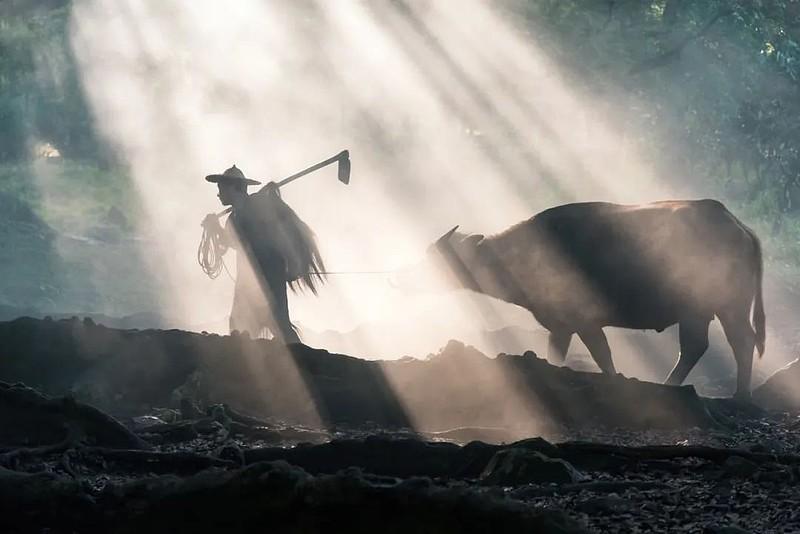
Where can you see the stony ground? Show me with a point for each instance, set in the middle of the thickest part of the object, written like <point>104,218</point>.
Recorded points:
<point>691,494</point>
<point>697,495</point>
<point>600,464</point>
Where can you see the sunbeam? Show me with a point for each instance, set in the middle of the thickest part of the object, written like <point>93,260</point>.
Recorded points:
<point>451,113</point>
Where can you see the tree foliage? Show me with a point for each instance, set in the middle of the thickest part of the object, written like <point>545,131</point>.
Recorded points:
<point>710,88</point>
<point>42,102</point>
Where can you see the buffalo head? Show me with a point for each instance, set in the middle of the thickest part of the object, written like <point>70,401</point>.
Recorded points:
<point>446,265</point>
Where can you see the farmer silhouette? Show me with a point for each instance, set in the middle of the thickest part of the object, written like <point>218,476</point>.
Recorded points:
<point>274,248</point>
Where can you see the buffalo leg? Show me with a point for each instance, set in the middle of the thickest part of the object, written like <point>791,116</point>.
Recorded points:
<point>595,340</point>
<point>557,346</point>
<point>742,339</point>
<point>694,342</point>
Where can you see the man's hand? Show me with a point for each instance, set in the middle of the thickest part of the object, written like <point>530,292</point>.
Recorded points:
<point>211,223</point>
<point>214,230</point>
<point>272,188</point>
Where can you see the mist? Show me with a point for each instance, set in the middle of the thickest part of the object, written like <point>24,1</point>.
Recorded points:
<point>443,128</point>
<point>545,255</point>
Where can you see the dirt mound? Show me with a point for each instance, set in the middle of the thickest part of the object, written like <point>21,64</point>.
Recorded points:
<point>126,372</point>
<point>781,392</point>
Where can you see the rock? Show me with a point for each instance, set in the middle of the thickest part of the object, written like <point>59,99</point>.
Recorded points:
<point>209,426</point>
<point>611,488</point>
<point>776,474</point>
<point>515,466</point>
<point>780,392</point>
<point>537,444</point>
<point>144,421</point>
<point>605,505</point>
<point>485,434</point>
<point>728,529</point>
<point>378,455</point>
<point>725,409</point>
<point>765,445</point>
<point>168,415</point>
<point>28,418</point>
<point>189,409</point>
<point>45,499</point>
<point>267,496</point>
<point>230,451</point>
<point>171,432</point>
<point>738,467</point>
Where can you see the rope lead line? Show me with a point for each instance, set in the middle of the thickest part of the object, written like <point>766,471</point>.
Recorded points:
<point>357,272</point>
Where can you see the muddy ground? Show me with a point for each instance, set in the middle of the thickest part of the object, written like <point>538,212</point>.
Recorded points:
<point>122,431</point>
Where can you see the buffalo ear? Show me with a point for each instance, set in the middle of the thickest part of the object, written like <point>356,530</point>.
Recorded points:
<point>446,237</point>
<point>473,240</point>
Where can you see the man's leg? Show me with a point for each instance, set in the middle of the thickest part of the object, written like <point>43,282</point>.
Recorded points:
<point>247,310</point>
<point>279,307</point>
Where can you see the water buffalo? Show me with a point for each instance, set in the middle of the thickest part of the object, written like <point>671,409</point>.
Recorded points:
<point>581,267</point>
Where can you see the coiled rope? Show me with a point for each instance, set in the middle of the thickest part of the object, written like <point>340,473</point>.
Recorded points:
<point>210,251</point>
